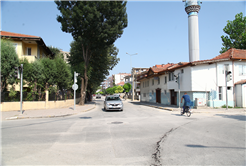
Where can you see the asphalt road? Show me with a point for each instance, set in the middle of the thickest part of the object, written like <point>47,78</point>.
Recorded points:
<point>139,135</point>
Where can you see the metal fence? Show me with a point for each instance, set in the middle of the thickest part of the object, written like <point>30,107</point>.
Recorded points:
<point>26,96</point>
<point>32,96</point>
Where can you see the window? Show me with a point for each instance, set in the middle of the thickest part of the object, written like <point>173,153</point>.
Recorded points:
<point>221,69</point>
<point>165,81</point>
<point>153,81</point>
<point>159,80</point>
<point>171,76</point>
<point>220,92</point>
<point>15,46</point>
<point>242,70</point>
<point>182,70</point>
<point>29,51</point>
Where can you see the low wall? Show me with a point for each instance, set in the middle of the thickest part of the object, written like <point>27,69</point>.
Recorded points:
<point>34,105</point>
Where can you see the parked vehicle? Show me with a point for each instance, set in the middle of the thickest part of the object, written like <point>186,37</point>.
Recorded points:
<point>98,96</point>
<point>113,102</point>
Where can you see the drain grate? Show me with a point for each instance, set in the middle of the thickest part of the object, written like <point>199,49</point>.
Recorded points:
<point>116,122</point>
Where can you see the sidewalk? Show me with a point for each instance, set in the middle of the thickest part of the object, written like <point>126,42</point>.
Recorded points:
<point>47,113</point>
<point>199,110</point>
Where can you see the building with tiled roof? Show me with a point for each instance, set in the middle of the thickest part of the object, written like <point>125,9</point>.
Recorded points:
<point>27,46</point>
<point>204,81</point>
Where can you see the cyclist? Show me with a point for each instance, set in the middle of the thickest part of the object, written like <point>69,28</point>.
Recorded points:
<point>186,101</point>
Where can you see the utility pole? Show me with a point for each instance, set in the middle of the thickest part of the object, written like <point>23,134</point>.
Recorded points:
<point>19,75</point>
<point>227,79</point>
<point>178,81</point>
<point>75,87</point>
<point>132,75</point>
<point>133,71</point>
<point>21,96</point>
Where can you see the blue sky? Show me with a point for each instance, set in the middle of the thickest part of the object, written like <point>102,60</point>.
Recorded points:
<point>157,31</point>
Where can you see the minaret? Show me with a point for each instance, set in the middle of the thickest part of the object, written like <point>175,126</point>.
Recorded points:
<point>192,8</point>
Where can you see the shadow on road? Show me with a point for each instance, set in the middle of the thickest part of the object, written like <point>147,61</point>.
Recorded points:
<point>202,146</point>
<point>110,110</point>
<point>85,117</point>
<point>237,117</point>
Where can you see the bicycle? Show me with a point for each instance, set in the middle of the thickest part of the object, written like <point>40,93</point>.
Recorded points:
<point>187,111</point>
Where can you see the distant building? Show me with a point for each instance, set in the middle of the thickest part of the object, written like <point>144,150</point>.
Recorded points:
<point>107,83</point>
<point>66,55</point>
<point>119,78</point>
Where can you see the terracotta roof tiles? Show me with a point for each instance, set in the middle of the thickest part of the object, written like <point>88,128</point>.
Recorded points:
<point>11,34</point>
<point>241,82</point>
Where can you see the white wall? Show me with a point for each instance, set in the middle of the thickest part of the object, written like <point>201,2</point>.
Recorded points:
<point>203,77</point>
<point>239,95</point>
<point>185,80</point>
<point>236,75</point>
<point>243,95</point>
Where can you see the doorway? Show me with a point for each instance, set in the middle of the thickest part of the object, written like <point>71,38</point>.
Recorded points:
<point>158,95</point>
<point>173,97</point>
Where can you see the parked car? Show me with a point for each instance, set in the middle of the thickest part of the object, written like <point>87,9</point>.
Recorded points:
<point>98,96</point>
<point>113,102</point>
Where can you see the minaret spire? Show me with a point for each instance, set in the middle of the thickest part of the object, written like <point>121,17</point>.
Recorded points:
<point>192,8</point>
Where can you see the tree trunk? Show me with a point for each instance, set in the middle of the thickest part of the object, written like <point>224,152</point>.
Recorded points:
<point>35,90</point>
<point>82,99</point>
<point>84,82</point>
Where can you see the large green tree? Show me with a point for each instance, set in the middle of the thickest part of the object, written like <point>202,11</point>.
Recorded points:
<point>63,74</point>
<point>236,34</point>
<point>127,87</point>
<point>49,72</point>
<point>9,60</point>
<point>96,23</point>
<point>103,60</point>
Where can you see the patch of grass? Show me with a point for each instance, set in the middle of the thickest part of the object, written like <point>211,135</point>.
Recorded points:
<point>224,106</point>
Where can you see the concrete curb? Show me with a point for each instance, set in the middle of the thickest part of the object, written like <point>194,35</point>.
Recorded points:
<point>50,116</point>
<point>192,110</point>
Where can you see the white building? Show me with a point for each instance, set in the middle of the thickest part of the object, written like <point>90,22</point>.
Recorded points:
<point>204,81</point>
<point>119,78</point>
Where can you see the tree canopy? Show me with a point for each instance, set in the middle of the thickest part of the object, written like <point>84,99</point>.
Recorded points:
<point>9,60</point>
<point>96,24</point>
<point>236,34</point>
<point>127,87</point>
<point>103,60</point>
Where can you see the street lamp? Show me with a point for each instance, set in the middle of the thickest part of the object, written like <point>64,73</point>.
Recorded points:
<point>132,75</point>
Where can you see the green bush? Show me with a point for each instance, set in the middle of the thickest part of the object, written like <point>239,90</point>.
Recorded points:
<point>224,106</point>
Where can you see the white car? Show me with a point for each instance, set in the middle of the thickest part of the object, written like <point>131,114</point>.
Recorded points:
<point>113,102</point>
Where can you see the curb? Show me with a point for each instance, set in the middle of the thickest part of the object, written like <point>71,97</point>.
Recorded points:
<point>193,111</point>
<point>164,108</point>
<point>52,116</point>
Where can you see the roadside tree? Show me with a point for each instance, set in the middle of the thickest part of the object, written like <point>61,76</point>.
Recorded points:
<point>49,72</point>
<point>63,76</point>
<point>236,34</point>
<point>9,60</point>
<point>96,23</point>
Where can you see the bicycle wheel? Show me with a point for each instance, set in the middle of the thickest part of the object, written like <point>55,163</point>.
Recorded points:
<point>188,113</point>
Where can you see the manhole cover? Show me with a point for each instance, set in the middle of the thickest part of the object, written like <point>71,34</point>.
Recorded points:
<point>116,122</point>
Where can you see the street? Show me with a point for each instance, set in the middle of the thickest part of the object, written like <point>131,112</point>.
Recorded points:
<point>139,135</point>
